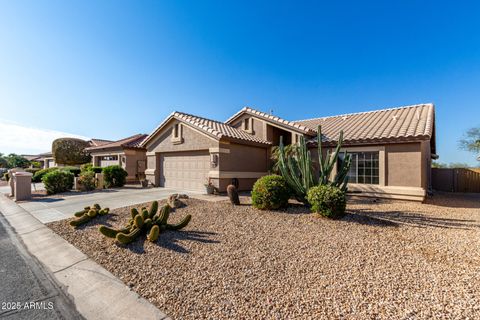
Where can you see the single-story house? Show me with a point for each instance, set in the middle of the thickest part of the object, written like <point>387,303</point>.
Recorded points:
<point>391,148</point>
<point>125,152</point>
<point>46,160</point>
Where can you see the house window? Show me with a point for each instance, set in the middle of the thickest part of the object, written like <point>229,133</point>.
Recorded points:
<point>176,130</point>
<point>246,124</point>
<point>364,168</point>
<point>109,158</point>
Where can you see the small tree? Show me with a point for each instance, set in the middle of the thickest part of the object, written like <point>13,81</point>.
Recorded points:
<point>17,161</point>
<point>471,140</point>
<point>70,151</point>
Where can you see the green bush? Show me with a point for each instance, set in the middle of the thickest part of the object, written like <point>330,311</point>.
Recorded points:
<point>32,170</point>
<point>37,177</point>
<point>75,170</point>
<point>270,192</point>
<point>329,201</point>
<point>58,181</point>
<point>91,167</point>
<point>114,176</point>
<point>86,179</point>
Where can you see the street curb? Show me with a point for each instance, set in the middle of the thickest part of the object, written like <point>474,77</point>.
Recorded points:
<point>96,293</point>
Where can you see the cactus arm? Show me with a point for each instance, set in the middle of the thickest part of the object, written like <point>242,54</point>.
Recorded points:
<point>83,219</point>
<point>153,209</point>
<point>110,232</point>
<point>127,238</point>
<point>134,212</point>
<point>79,213</point>
<point>153,234</point>
<point>179,225</point>
<point>138,221</point>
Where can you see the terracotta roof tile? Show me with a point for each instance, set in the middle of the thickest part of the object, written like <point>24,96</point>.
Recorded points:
<point>129,142</point>
<point>408,122</point>
<point>292,125</point>
<point>98,142</point>
<point>217,128</point>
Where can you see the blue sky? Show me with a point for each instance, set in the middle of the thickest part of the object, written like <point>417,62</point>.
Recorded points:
<point>109,69</point>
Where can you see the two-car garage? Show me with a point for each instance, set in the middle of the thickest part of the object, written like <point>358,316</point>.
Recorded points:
<point>186,170</point>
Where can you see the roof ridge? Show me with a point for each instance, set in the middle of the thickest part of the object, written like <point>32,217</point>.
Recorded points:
<point>429,104</point>
<point>195,116</point>
<point>271,117</point>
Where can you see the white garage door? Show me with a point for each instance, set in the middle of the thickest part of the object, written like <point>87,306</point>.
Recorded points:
<point>184,170</point>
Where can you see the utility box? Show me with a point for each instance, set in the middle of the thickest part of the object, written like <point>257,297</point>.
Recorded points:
<point>99,178</point>
<point>22,186</point>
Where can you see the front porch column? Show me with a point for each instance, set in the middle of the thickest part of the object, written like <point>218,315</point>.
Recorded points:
<point>152,173</point>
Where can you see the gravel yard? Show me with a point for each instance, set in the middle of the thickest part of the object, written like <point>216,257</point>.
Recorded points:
<point>387,260</point>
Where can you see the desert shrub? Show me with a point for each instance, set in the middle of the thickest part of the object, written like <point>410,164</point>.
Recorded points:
<point>37,177</point>
<point>97,169</point>
<point>70,151</point>
<point>114,176</point>
<point>75,170</point>
<point>86,179</point>
<point>32,170</point>
<point>270,192</point>
<point>329,201</point>
<point>58,181</point>
<point>91,167</point>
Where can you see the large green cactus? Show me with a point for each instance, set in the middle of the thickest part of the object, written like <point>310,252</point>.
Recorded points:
<point>87,214</point>
<point>148,222</point>
<point>298,168</point>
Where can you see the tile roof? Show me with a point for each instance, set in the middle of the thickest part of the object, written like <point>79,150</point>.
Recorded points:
<point>213,128</point>
<point>98,142</point>
<point>269,117</point>
<point>129,142</point>
<point>217,128</point>
<point>408,122</point>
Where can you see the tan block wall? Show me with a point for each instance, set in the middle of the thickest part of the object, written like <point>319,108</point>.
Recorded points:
<point>192,140</point>
<point>404,165</point>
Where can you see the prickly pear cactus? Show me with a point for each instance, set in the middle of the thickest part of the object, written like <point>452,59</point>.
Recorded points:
<point>87,214</point>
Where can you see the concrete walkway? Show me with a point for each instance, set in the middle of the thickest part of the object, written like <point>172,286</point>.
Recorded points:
<point>95,292</point>
<point>28,290</point>
<point>59,207</point>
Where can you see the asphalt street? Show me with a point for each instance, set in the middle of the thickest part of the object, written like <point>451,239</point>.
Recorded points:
<point>27,290</point>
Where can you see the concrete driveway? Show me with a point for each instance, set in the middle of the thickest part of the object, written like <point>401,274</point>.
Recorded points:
<point>48,209</point>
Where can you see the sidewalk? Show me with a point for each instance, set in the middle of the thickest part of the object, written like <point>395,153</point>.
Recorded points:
<point>28,290</point>
<point>95,292</point>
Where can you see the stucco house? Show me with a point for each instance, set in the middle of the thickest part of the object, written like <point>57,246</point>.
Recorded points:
<point>391,148</point>
<point>125,152</point>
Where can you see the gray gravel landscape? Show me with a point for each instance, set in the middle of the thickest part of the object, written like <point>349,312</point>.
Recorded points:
<point>385,260</point>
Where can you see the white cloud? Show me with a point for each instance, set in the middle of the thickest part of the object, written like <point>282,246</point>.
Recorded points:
<point>17,138</point>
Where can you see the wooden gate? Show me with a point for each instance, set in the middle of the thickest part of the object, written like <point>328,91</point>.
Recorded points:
<point>455,180</point>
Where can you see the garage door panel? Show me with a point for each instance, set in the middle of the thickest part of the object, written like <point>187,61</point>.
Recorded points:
<point>185,170</point>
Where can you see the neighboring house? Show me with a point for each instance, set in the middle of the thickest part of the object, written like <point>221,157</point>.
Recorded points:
<point>391,149</point>
<point>46,160</point>
<point>125,152</point>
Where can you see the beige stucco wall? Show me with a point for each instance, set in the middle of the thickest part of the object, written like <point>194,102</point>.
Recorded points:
<point>192,140</point>
<point>257,125</point>
<point>243,158</point>
<point>132,159</point>
<point>404,165</point>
